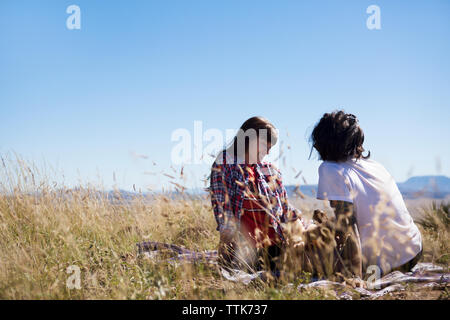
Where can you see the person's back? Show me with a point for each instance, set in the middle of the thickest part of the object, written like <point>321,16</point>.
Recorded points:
<point>364,194</point>
<point>389,237</point>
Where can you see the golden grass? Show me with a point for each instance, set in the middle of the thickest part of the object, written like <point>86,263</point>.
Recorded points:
<point>435,227</point>
<point>44,229</point>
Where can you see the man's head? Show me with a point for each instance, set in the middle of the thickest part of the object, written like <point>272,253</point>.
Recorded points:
<point>338,137</point>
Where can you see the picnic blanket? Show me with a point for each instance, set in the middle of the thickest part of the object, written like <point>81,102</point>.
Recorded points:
<point>425,275</point>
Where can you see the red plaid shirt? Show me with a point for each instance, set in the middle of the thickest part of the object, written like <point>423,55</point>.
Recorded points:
<point>230,181</point>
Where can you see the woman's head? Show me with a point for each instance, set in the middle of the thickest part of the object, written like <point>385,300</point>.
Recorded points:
<point>254,139</point>
<point>338,137</point>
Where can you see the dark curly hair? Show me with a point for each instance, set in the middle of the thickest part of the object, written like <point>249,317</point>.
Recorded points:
<point>338,137</point>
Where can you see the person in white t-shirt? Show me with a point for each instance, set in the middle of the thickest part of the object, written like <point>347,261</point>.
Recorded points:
<point>361,190</point>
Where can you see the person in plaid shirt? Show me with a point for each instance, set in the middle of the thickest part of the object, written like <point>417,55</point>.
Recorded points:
<point>248,196</point>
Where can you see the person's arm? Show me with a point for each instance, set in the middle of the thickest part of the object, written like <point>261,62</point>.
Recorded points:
<point>347,239</point>
<point>292,222</point>
<point>220,201</point>
<point>290,213</point>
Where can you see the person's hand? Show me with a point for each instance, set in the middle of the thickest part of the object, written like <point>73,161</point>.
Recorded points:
<point>226,236</point>
<point>294,232</point>
<point>319,216</point>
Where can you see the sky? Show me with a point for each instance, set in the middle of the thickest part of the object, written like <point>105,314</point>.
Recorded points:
<point>99,104</point>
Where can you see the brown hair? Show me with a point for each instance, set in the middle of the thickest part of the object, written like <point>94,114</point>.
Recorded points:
<point>258,124</point>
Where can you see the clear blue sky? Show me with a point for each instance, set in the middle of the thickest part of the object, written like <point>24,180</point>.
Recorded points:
<point>84,100</point>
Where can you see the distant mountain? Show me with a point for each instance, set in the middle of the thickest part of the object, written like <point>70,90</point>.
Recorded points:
<point>436,187</point>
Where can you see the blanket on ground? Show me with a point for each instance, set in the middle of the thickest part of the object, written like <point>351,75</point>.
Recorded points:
<point>425,275</point>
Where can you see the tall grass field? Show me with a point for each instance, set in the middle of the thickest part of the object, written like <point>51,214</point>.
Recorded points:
<point>48,231</point>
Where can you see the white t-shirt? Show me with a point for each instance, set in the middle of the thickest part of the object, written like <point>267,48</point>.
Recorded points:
<point>389,237</point>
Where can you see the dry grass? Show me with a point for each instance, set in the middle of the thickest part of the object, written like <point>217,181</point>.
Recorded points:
<point>45,229</point>
<point>435,223</point>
